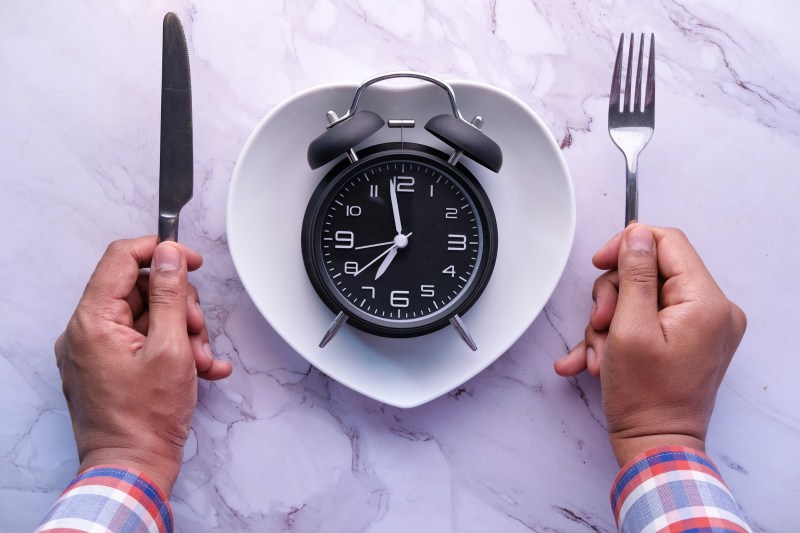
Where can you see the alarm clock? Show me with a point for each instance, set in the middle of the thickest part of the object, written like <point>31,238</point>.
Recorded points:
<point>399,239</point>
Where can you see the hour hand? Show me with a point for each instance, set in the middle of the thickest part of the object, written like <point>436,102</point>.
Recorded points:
<point>386,262</point>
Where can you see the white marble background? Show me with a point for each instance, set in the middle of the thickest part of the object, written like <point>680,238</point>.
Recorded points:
<point>279,446</point>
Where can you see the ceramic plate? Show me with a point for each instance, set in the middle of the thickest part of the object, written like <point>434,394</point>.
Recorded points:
<point>532,198</point>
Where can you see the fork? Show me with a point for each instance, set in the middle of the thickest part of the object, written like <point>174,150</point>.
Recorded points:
<point>629,123</point>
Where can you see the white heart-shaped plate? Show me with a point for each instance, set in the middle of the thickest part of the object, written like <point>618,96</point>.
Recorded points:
<point>532,198</point>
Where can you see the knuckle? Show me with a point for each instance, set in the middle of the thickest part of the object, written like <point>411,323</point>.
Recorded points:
<point>171,348</point>
<point>739,316</point>
<point>676,233</point>
<point>165,292</point>
<point>641,270</point>
<point>630,335</point>
<point>117,247</point>
<point>623,343</point>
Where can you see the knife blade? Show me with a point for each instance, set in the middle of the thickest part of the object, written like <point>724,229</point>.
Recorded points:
<point>176,172</point>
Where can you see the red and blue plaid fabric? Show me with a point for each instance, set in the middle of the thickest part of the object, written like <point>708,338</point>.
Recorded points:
<point>673,489</point>
<point>109,498</point>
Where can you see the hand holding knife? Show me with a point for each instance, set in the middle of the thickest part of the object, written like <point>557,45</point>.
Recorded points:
<point>176,174</point>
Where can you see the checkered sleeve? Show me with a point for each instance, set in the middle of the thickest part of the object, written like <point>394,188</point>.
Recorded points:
<point>109,498</point>
<point>671,489</point>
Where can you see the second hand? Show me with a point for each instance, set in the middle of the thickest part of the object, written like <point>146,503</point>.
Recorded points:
<point>373,245</point>
<point>389,249</point>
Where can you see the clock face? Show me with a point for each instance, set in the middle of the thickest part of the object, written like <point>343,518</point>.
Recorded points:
<point>399,240</point>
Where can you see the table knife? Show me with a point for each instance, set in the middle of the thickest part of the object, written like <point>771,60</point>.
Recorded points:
<point>176,173</point>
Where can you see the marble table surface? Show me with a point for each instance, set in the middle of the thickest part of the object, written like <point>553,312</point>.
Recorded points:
<point>280,446</point>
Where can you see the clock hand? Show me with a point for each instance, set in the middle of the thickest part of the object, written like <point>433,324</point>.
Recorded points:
<point>374,245</point>
<point>395,210</point>
<point>386,262</point>
<point>400,242</point>
<point>362,269</point>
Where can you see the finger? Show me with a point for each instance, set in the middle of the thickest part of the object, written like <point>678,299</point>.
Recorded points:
<point>676,253</point>
<point>686,278</point>
<point>595,342</point>
<point>604,294</point>
<point>607,256</point>
<point>677,256</point>
<point>142,323</point>
<point>219,370</point>
<point>201,349</point>
<point>137,299</point>
<point>208,368</point>
<point>195,320</point>
<point>118,270</point>
<point>573,363</point>
<point>168,292</point>
<point>637,304</point>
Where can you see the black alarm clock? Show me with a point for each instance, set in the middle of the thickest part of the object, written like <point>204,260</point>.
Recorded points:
<point>399,239</point>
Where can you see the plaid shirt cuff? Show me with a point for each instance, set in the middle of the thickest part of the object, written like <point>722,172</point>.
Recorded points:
<point>672,489</point>
<point>110,498</point>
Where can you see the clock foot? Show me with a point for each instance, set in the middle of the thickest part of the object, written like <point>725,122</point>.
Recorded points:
<point>461,329</point>
<point>334,328</point>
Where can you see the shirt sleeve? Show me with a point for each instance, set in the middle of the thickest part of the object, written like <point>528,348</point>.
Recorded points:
<point>672,489</point>
<point>109,498</point>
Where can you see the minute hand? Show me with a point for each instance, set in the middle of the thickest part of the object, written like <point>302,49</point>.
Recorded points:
<point>395,211</point>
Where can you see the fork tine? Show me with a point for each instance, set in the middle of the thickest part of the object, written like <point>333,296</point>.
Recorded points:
<point>626,104</point>
<point>613,97</point>
<point>637,101</point>
<point>650,91</point>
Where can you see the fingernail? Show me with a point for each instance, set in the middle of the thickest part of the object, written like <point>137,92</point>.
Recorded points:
<point>208,352</point>
<point>590,357</point>
<point>167,258</point>
<point>564,358</point>
<point>640,239</point>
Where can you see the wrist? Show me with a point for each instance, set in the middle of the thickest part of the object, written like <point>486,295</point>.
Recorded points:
<point>162,471</point>
<point>626,448</point>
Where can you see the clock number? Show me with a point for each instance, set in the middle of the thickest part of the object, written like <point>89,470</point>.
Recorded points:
<point>455,242</point>
<point>405,184</point>
<point>451,212</point>
<point>371,289</point>
<point>426,291</point>
<point>450,270</point>
<point>346,239</point>
<point>399,299</point>
<point>373,191</point>
<point>351,267</point>
<point>353,210</point>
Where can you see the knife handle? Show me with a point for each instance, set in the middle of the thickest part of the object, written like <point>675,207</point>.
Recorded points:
<point>168,227</point>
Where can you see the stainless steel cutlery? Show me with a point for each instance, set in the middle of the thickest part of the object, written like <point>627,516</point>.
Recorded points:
<point>176,169</point>
<point>630,120</point>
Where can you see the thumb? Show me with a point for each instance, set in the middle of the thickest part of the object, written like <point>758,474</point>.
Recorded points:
<point>168,290</point>
<point>637,305</point>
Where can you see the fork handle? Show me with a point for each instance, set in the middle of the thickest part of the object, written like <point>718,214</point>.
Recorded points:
<point>631,189</point>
